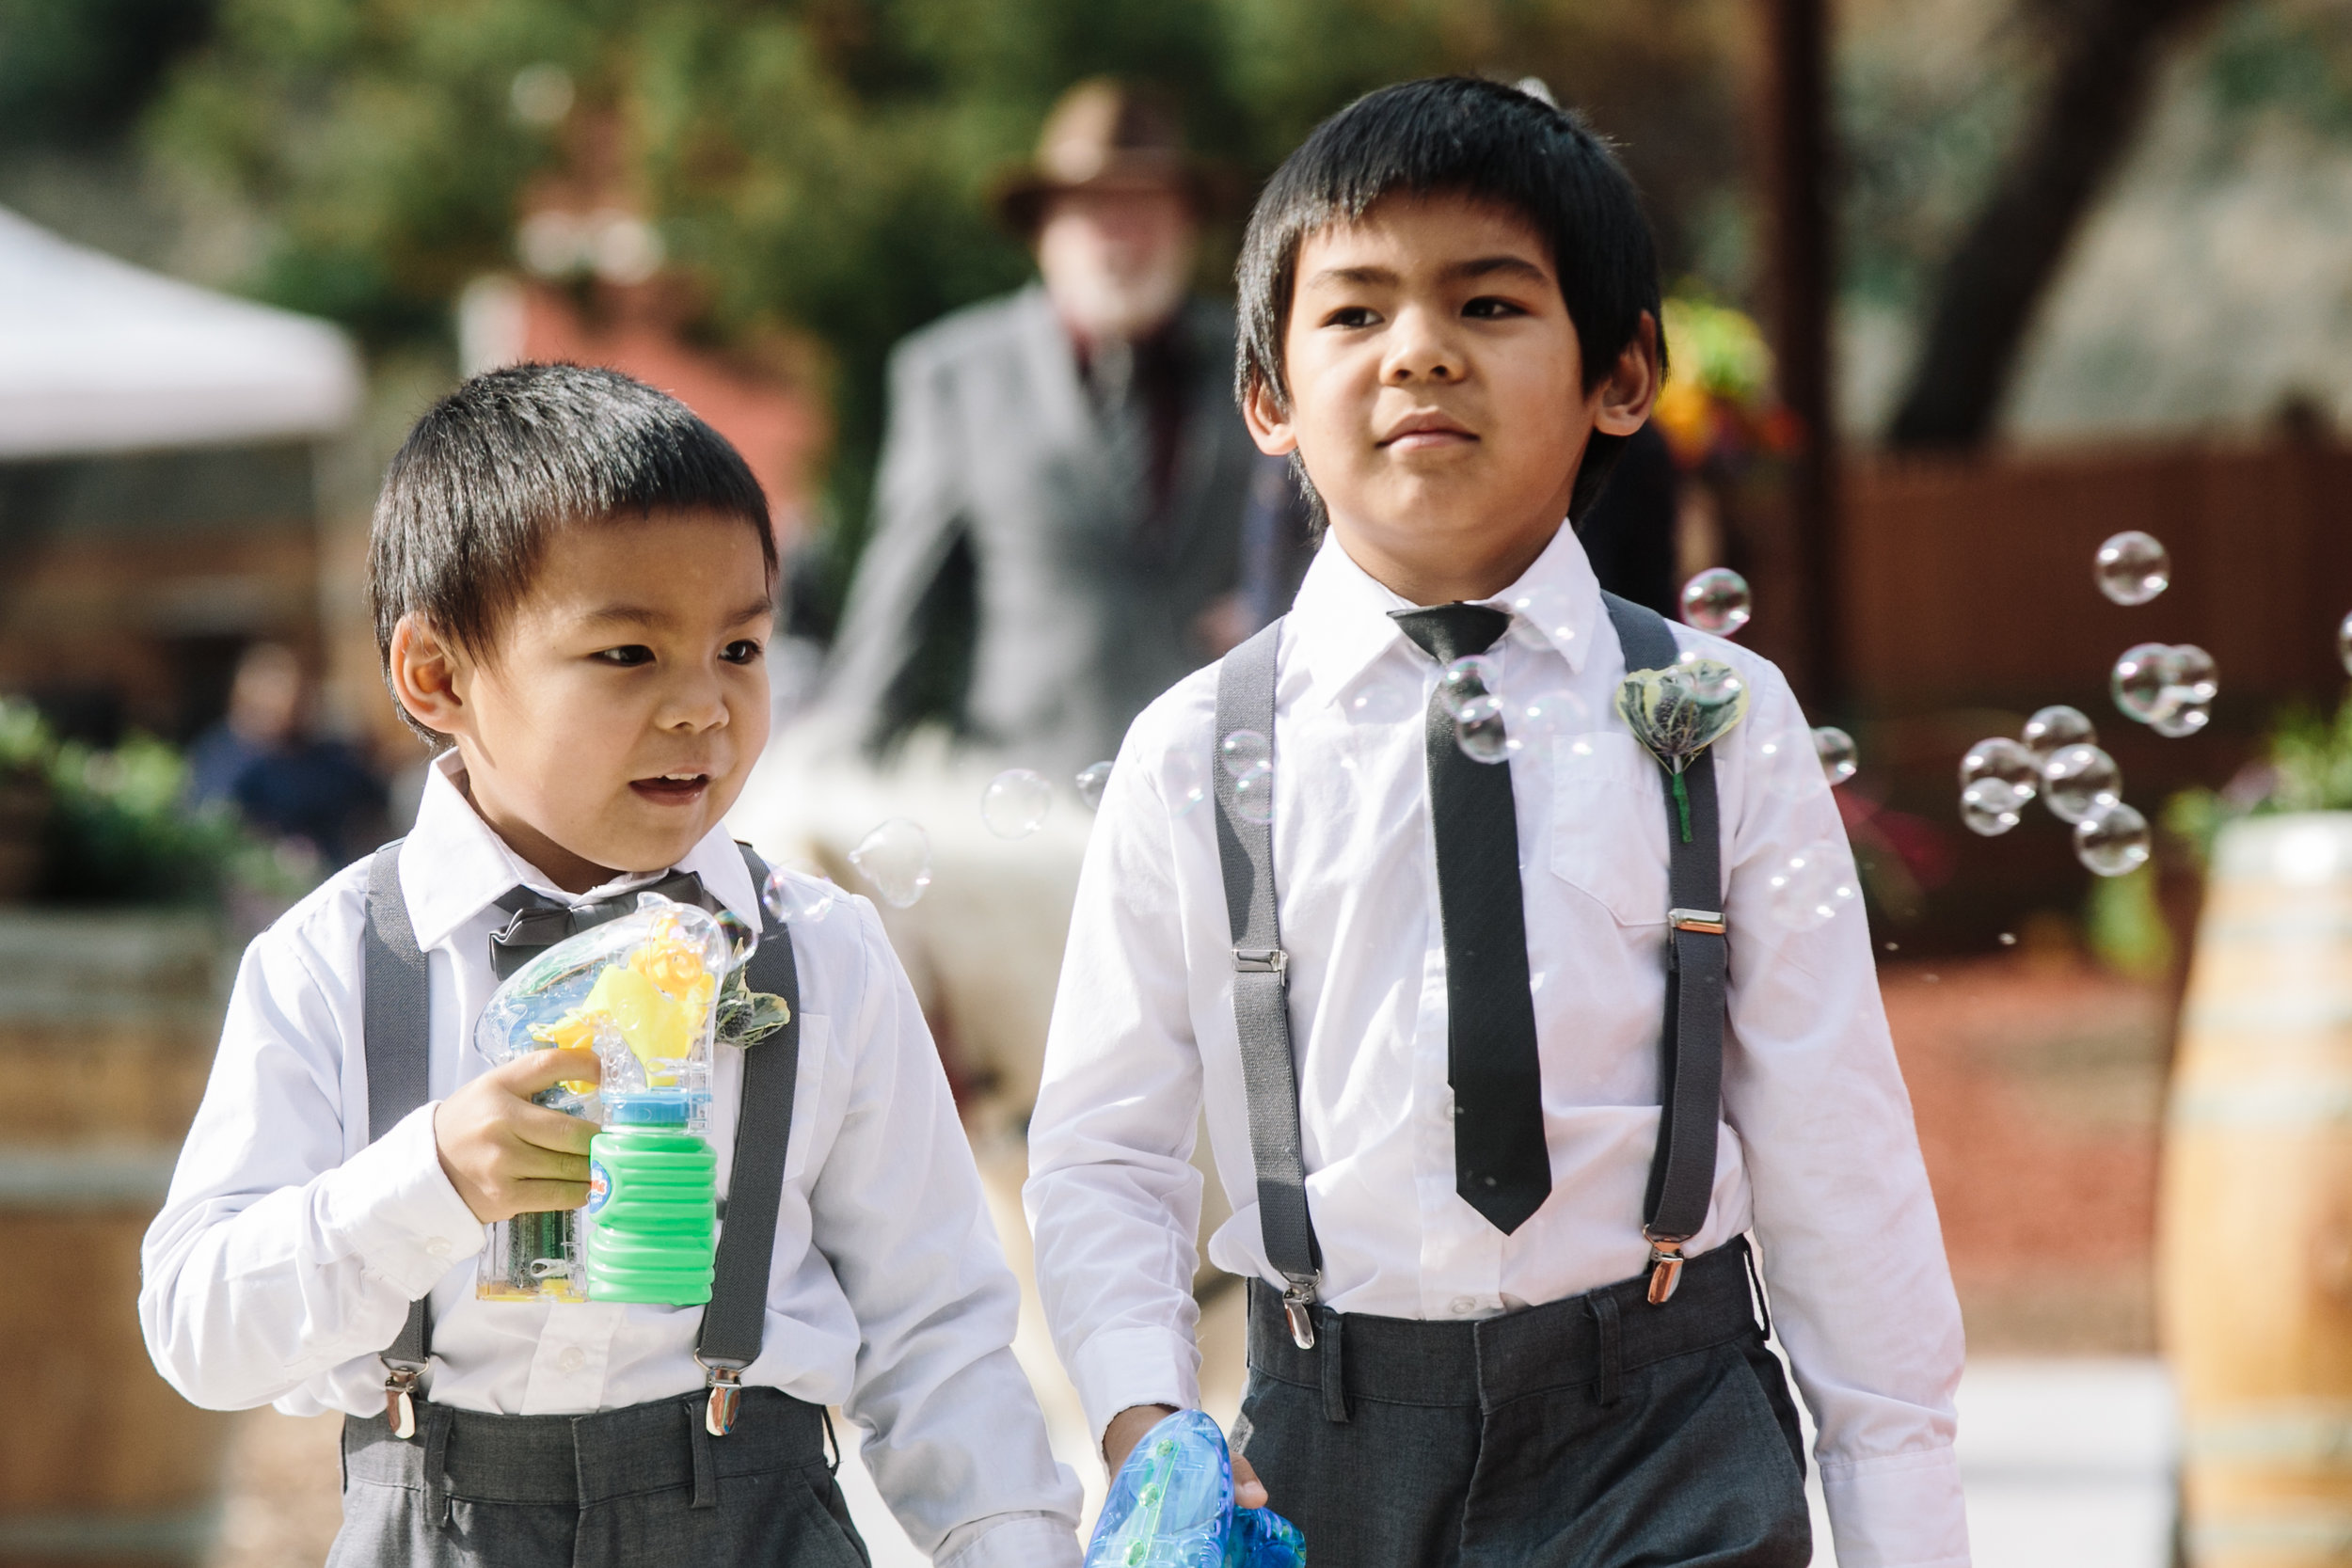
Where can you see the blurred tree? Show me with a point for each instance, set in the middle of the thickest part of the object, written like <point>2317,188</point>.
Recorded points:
<point>823,166</point>
<point>2106,56</point>
<point>76,74</point>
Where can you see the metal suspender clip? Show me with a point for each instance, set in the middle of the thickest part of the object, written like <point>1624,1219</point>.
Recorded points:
<point>1298,1310</point>
<point>1262,960</point>
<point>1665,1265</point>
<point>400,1397</point>
<point>1709,921</point>
<point>726,1397</point>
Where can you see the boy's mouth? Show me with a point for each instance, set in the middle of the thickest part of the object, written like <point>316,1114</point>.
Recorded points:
<point>671,790</point>
<point>1415,431</point>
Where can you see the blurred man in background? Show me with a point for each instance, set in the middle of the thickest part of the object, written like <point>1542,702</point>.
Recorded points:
<point>1059,516</point>
<point>287,781</point>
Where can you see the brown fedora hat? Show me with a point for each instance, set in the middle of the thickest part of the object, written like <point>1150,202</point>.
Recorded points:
<point>1103,134</point>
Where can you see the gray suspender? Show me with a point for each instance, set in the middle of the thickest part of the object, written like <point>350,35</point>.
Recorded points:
<point>1691,1066</point>
<point>1262,1015</point>
<point>397,1036</point>
<point>1682,1172</point>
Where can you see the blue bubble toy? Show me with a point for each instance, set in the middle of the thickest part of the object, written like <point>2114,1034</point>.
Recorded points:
<point>1172,1506</point>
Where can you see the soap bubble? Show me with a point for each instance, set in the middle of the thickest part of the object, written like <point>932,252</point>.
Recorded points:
<point>1480,731</point>
<point>2183,721</point>
<point>1790,765</point>
<point>2133,568</point>
<point>2006,760</point>
<point>793,897</point>
<point>2113,840</point>
<point>1810,889</point>
<point>1465,680</point>
<point>1090,781</point>
<point>896,859</point>
<point>1253,793</point>
<point>2191,674</point>
<point>2344,642</point>
<point>1549,610</point>
<point>1989,805</point>
<point>2139,684</point>
<point>1717,600</point>
<point>1386,702</point>
<point>1016,802</point>
<point>1710,680</point>
<point>2056,727</point>
<point>1535,723</point>
<point>742,937</point>
<point>1187,781</point>
<point>1243,750</point>
<point>1835,749</point>
<point>2077,779</point>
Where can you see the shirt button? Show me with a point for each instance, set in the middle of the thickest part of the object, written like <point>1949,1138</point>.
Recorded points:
<point>572,1360</point>
<point>438,1247</point>
<point>1463,1306</point>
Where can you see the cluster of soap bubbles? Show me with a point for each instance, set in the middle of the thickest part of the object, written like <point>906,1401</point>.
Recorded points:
<point>2058,760</point>
<point>2168,687</point>
<point>1490,727</point>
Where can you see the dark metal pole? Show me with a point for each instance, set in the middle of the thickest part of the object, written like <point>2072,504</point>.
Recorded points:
<point>1801,183</point>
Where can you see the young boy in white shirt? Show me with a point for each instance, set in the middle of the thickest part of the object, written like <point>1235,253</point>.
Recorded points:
<point>572,580</point>
<point>1500,1309</point>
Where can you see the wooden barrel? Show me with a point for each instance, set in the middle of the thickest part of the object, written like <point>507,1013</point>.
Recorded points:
<point>107,1027</point>
<point>2255,1270</point>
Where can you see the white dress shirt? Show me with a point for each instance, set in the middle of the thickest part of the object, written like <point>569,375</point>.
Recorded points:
<point>290,1248</point>
<point>1817,1156</point>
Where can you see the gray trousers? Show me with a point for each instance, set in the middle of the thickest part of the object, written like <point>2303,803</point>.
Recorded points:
<point>1598,1431</point>
<point>624,1487</point>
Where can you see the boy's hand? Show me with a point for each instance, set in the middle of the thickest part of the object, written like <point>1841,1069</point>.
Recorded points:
<point>506,1156</point>
<point>1127,1429</point>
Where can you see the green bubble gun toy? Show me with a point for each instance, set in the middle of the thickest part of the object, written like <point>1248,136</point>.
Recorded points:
<point>1172,1506</point>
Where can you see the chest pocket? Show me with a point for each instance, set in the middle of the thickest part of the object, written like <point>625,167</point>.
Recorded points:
<point>1609,824</point>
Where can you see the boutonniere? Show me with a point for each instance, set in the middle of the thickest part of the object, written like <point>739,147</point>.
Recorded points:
<point>746,1017</point>
<point>1677,713</point>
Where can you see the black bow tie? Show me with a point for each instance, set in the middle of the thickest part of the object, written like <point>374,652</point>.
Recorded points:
<point>539,922</point>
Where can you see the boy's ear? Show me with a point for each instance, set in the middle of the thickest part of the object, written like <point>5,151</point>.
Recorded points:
<point>1625,400</point>
<point>429,674</point>
<point>1269,426</point>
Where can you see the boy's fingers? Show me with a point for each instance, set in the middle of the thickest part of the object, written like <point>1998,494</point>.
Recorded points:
<point>546,1198</point>
<point>528,1161</point>
<point>539,1127</point>
<point>544,1070</point>
<point>1248,1491</point>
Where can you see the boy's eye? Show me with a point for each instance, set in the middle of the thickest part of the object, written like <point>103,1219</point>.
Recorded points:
<point>741,651</point>
<point>1488,307</point>
<point>1350,316</point>
<point>627,656</point>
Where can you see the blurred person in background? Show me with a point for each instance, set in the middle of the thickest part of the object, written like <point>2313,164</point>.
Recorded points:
<point>285,780</point>
<point>1056,532</point>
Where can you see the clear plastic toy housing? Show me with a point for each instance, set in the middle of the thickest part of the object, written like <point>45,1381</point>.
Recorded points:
<point>1172,1506</point>
<point>641,991</point>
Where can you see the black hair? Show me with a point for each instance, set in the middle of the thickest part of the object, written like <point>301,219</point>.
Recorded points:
<point>493,469</point>
<point>1463,136</point>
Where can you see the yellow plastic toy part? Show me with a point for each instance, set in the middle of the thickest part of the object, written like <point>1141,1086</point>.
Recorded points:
<point>658,1002</point>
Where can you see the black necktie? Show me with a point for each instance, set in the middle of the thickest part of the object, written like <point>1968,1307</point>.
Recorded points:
<point>1500,1165</point>
<point>539,922</point>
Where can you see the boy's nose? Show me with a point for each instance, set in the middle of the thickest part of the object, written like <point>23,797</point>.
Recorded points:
<point>1419,350</point>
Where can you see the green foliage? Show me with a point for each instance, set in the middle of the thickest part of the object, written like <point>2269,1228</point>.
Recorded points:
<point>2125,926</point>
<point>77,72</point>
<point>823,166</point>
<point>117,832</point>
<point>2286,56</point>
<point>2308,769</point>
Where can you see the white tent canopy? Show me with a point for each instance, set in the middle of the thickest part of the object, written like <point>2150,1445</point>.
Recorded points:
<point>98,356</point>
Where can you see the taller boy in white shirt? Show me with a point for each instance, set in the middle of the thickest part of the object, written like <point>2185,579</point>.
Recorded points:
<point>572,580</point>
<point>1499,1303</point>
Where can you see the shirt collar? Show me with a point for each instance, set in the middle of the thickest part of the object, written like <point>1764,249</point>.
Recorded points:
<point>1339,621</point>
<point>454,866</point>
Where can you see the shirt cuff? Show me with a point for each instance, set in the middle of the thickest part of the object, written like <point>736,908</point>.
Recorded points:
<point>392,1207</point>
<point>1124,1368</point>
<point>1898,1509</point>
<point>1011,1541</point>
